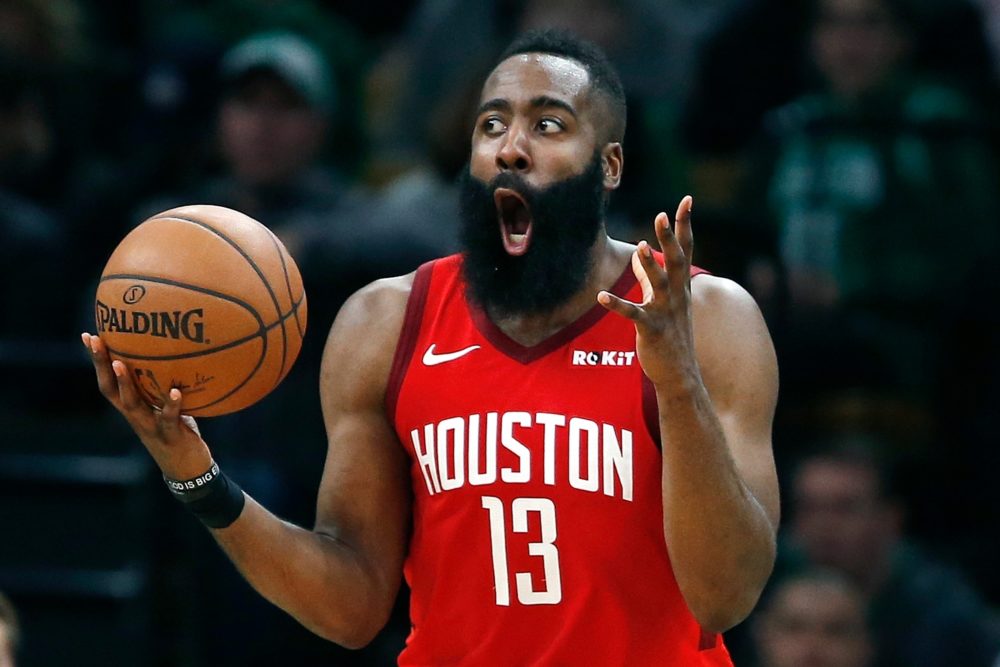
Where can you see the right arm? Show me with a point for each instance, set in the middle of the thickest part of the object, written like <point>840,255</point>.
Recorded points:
<point>340,579</point>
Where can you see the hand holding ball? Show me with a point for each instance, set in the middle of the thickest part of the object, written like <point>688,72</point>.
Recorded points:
<point>205,299</point>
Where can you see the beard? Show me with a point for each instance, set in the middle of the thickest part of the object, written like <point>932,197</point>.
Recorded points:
<point>566,218</point>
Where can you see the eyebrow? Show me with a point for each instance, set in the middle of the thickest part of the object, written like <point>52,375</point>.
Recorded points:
<point>539,102</point>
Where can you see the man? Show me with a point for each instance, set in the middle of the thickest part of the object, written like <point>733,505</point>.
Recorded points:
<point>526,459</point>
<point>277,96</point>
<point>845,518</point>
<point>813,619</point>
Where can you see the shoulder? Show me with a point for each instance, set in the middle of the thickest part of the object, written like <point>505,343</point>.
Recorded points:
<point>374,313</point>
<point>377,310</point>
<point>723,311</point>
<point>713,296</point>
<point>359,350</point>
<point>731,337</point>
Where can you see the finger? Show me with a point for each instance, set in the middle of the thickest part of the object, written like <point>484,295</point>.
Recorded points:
<point>672,253</point>
<point>170,416</point>
<point>618,305</point>
<point>647,270</point>
<point>682,227</point>
<point>128,393</point>
<point>171,411</point>
<point>106,380</point>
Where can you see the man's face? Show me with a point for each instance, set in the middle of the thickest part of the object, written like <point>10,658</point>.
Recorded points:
<point>856,45</point>
<point>533,197</point>
<point>537,118</point>
<point>268,133</point>
<point>814,624</point>
<point>840,518</point>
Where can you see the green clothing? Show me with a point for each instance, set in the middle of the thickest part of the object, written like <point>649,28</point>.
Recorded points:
<point>891,206</point>
<point>892,197</point>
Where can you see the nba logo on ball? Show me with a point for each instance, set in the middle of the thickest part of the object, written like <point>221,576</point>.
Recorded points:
<point>205,299</point>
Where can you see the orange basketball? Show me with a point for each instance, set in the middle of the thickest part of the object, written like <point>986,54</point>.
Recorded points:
<point>205,299</point>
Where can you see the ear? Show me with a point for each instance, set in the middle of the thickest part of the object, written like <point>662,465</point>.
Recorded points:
<point>612,162</point>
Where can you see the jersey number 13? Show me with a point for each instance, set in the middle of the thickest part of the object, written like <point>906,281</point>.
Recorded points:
<point>520,509</point>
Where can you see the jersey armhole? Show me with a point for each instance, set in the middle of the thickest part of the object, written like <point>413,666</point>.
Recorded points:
<point>407,336</point>
<point>651,410</point>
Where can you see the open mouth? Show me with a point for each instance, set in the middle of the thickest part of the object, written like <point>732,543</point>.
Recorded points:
<point>515,220</point>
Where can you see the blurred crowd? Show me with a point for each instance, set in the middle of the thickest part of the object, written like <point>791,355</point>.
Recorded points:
<point>844,157</point>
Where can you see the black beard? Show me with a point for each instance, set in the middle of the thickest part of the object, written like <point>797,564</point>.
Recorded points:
<point>566,219</point>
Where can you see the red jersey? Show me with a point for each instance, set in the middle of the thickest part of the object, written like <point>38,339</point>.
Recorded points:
<point>537,518</point>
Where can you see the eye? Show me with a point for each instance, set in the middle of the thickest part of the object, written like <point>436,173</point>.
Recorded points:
<point>550,126</point>
<point>493,125</point>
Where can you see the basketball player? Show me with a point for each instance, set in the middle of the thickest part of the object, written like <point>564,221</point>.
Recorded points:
<point>562,441</point>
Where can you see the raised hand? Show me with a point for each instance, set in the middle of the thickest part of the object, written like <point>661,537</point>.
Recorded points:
<point>172,439</point>
<point>664,335</point>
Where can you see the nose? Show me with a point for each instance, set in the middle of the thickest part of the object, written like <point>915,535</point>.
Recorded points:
<point>514,153</point>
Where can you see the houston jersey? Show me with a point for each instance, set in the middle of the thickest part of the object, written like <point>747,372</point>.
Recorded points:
<point>537,519</point>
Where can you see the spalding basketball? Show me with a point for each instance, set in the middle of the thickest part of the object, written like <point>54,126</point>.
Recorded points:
<point>205,299</point>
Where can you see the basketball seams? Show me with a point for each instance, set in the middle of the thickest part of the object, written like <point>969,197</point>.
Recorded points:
<point>254,266</point>
<point>260,333</point>
<point>194,288</point>
<point>246,339</point>
<point>288,283</point>
<point>252,373</point>
<point>291,298</point>
<point>179,256</point>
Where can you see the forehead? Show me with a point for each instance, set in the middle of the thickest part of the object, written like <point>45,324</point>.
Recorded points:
<point>528,75</point>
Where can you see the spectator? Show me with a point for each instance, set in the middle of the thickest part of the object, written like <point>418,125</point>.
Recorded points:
<point>846,518</point>
<point>864,171</point>
<point>816,618</point>
<point>278,97</point>
<point>10,633</point>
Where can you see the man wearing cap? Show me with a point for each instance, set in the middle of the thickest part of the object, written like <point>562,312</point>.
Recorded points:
<point>276,101</point>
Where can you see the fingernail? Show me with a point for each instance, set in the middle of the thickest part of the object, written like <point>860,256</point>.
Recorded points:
<point>175,394</point>
<point>118,367</point>
<point>84,337</point>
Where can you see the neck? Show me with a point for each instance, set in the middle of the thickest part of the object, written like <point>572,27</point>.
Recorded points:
<point>608,258</point>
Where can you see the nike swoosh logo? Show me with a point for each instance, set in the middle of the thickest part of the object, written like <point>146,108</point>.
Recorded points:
<point>432,359</point>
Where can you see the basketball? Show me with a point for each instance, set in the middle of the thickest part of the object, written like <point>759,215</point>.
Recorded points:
<point>207,300</point>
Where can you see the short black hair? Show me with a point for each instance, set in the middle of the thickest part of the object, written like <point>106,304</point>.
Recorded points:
<point>603,77</point>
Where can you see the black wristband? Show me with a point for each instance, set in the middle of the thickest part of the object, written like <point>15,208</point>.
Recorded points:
<point>215,499</point>
<point>194,488</point>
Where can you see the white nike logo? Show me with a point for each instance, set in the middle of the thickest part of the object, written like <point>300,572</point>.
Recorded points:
<point>431,359</point>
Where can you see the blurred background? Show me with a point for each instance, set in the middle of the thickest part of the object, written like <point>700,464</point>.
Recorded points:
<point>843,156</point>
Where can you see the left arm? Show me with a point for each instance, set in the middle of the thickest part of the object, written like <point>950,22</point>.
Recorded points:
<point>707,351</point>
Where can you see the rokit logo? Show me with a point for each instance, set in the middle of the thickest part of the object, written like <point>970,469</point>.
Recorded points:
<point>603,358</point>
